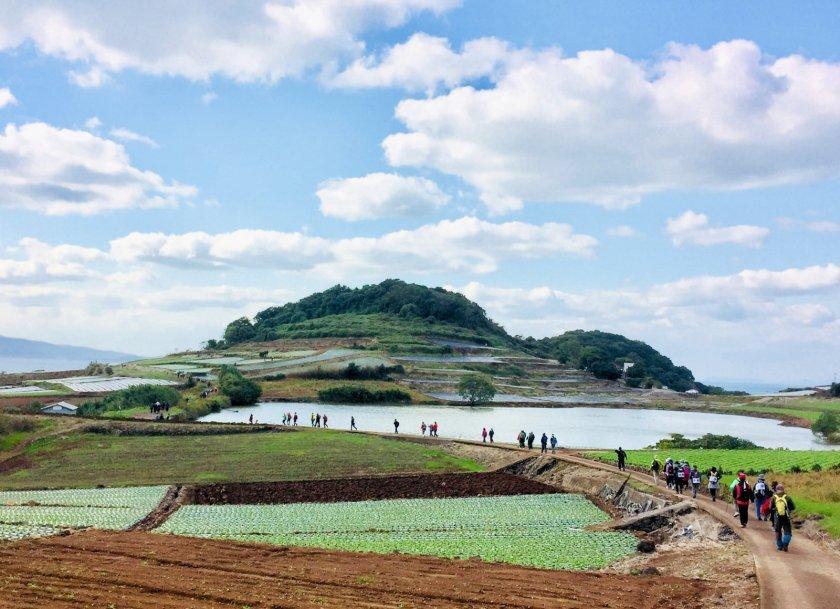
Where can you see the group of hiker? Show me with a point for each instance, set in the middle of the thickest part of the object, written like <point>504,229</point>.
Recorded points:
<point>680,475</point>
<point>159,409</point>
<point>431,427</point>
<point>291,418</point>
<point>317,419</point>
<point>528,440</point>
<point>485,433</point>
<point>771,501</point>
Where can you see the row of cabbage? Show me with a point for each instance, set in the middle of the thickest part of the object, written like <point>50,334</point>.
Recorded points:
<point>535,530</point>
<point>39,513</point>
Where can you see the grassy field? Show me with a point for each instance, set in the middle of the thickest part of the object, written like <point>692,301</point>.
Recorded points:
<point>88,460</point>
<point>307,389</point>
<point>15,430</point>
<point>815,492</point>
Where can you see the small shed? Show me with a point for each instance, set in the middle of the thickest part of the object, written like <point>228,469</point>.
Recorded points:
<point>59,408</point>
<point>692,393</point>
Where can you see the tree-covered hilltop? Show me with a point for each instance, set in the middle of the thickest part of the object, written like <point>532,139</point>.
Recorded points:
<point>604,354</point>
<point>395,311</point>
<point>407,301</point>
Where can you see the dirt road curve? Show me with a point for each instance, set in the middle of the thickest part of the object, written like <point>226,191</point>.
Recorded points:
<point>139,570</point>
<point>807,577</point>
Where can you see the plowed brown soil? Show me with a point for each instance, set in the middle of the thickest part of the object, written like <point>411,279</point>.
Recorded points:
<point>145,570</point>
<point>362,489</point>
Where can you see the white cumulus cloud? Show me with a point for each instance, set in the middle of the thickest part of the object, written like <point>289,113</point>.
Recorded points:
<point>603,128</point>
<point>692,228</point>
<point>7,98</point>
<point>425,63</point>
<point>59,171</point>
<point>250,41</point>
<point>379,195</point>
<point>463,245</point>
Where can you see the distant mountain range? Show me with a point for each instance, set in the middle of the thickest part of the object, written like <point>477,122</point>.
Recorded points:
<point>23,349</point>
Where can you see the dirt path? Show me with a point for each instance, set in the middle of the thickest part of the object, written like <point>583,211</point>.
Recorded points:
<point>807,577</point>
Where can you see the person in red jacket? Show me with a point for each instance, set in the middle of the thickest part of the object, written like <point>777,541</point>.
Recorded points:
<point>742,493</point>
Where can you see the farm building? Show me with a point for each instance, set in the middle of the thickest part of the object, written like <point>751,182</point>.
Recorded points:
<point>59,408</point>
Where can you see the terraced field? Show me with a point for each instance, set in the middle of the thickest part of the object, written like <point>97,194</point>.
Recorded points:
<point>39,513</point>
<point>533,530</point>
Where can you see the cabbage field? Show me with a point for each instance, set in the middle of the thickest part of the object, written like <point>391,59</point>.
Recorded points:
<point>39,513</point>
<point>753,461</point>
<point>534,530</point>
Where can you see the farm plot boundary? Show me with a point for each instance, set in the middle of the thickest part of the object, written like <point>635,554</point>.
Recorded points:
<point>411,486</point>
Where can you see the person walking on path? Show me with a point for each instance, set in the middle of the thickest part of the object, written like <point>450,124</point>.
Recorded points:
<point>694,477</point>
<point>312,419</point>
<point>435,428</point>
<point>679,478</point>
<point>353,424</point>
<point>743,494</point>
<point>521,437</point>
<point>396,426</point>
<point>761,493</point>
<point>655,466</point>
<point>251,419</point>
<point>423,428</point>
<point>544,443</point>
<point>732,488</point>
<point>324,420</point>
<point>669,473</point>
<point>553,444</point>
<point>490,434</point>
<point>295,420</point>
<point>531,438</point>
<point>622,457</point>
<point>783,506</point>
<point>484,434</point>
<point>318,420</point>
<point>713,483</point>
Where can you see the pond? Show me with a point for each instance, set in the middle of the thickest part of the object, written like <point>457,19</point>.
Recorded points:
<point>578,427</point>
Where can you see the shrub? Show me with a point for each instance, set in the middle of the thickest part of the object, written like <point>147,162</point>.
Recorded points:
<point>98,369</point>
<point>353,394</point>
<point>826,424</point>
<point>239,389</point>
<point>14,424</point>
<point>354,372</point>
<point>604,370</point>
<point>706,441</point>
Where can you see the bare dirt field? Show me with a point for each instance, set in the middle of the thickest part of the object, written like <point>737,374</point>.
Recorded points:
<point>409,486</point>
<point>145,570</point>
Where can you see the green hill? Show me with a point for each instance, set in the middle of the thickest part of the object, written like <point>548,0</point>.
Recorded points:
<point>404,316</point>
<point>603,353</point>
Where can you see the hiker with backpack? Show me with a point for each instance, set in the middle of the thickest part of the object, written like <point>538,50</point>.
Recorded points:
<point>669,473</point>
<point>694,477</point>
<point>553,443</point>
<point>714,483</point>
<point>655,466</point>
<point>761,493</point>
<point>544,443</point>
<point>531,438</point>
<point>521,438</point>
<point>742,493</point>
<point>783,506</point>
<point>680,479</point>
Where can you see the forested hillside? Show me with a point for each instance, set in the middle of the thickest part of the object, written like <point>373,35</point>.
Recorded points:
<point>396,307</point>
<point>604,354</point>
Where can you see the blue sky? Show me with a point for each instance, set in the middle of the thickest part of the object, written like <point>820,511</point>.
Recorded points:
<point>664,170</point>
